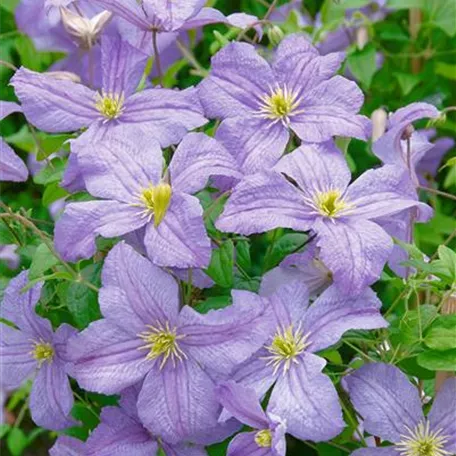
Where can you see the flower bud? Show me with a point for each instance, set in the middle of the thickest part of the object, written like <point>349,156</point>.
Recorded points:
<point>379,120</point>
<point>64,76</point>
<point>275,35</point>
<point>362,37</point>
<point>86,31</point>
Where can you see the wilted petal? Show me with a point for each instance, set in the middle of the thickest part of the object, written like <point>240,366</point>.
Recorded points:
<point>135,292</point>
<point>51,398</point>
<point>263,202</point>
<point>123,65</point>
<point>180,240</point>
<point>178,402</point>
<point>332,314</point>
<point>355,252</point>
<point>385,399</point>
<point>77,229</point>
<point>222,339</point>
<point>197,158</point>
<point>165,114</point>
<point>255,143</point>
<point>441,416</point>
<point>307,400</point>
<point>106,358</point>
<point>238,79</point>
<point>54,105</point>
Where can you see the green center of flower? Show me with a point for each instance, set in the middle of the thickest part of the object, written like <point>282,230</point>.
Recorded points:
<point>279,104</point>
<point>162,341</point>
<point>42,351</point>
<point>264,438</point>
<point>110,105</point>
<point>330,203</point>
<point>285,347</point>
<point>422,441</point>
<point>155,201</point>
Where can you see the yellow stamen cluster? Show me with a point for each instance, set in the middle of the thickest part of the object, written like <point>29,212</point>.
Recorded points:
<point>42,352</point>
<point>264,438</point>
<point>330,203</point>
<point>285,347</point>
<point>279,105</point>
<point>110,105</point>
<point>422,441</point>
<point>155,201</point>
<point>162,340</point>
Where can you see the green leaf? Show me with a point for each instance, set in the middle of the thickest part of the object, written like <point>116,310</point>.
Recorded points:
<point>4,428</point>
<point>221,268</point>
<point>212,303</point>
<point>325,449</point>
<point>9,5</point>
<point>82,301</point>
<point>438,360</point>
<point>52,193</point>
<point>362,63</point>
<point>43,260</point>
<point>288,243</point>
<point>442,14</point>
<point>405,4</point>
<point>333,356</point>
<point>447,70</point>
<point>243,254</point>
<point>442,333</point>
<point>16,441</point>
<point>446,263</point>
<point>407,82</point>
<point>52,172</point>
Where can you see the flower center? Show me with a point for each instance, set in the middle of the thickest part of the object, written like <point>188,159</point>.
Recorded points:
<point>162,341</point>
<point>285,347</point>
<point>330,203</point>
<point>110,105</point>
<point>264,438</point>
<point>155,200</point>
<point>279,105</point>
<point>42,351</point>
<point>422,441</point>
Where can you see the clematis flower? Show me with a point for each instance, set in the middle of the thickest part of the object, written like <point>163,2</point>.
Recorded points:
<point>128,175</point>
<point>401,145</point>
<point>12,168</point>
<point>262,103</point>
<point>67,446</point>
<point>35,351</point>
<point>309,189</point>
<point>268,438</point>
<point>120,430</point>
<point>179,355</point>
<point>302,395</point>
<point>391,408</point>
<point>61,106</point>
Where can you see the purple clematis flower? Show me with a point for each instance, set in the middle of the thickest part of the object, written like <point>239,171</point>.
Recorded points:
<point>309,189</point>
<point>262,103</point>
<point>61,106</point>
<point>179,354</point>
<point>128,175</point>
<point>391,408</point>
<point>67,446</point>
<point>268,438</point>
<point>401,145</point>
<point>35,351</point>
<point>302,395</point>
<point>12,168</point>
<point>121,430</point>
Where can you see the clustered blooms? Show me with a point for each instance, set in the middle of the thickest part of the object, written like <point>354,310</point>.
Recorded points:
<point>187,379</point>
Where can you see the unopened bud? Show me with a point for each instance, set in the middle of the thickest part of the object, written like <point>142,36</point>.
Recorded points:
<point>362,37</point>
<point>379,120</point>
<point>275,35</point>
<point>64,76</point>
<point>86,31</point>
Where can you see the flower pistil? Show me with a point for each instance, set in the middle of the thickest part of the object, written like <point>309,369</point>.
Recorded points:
<point>279,105</point>
<point>110,105</point>
<point>422,441</point>
<point>263,438</point>
<point>42,351</point>
<point>155,201</point>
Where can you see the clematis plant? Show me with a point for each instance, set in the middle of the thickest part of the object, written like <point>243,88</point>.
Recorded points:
<point>309,189</point>
<point>392,410</point>
<point>34,351</point>
<point>136,194</point>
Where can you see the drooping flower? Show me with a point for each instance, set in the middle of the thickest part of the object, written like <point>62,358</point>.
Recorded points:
<point>309,189</point>
<point>268,436</point>
<point>12,168</point>
<point>391,408</point>
<point>263,103</point>
<point>177,354</point>
<point>128,175</point>
<point>120,430</point>
<point>35,351</point>
<point>302,395</point>
<point>62,106</point>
